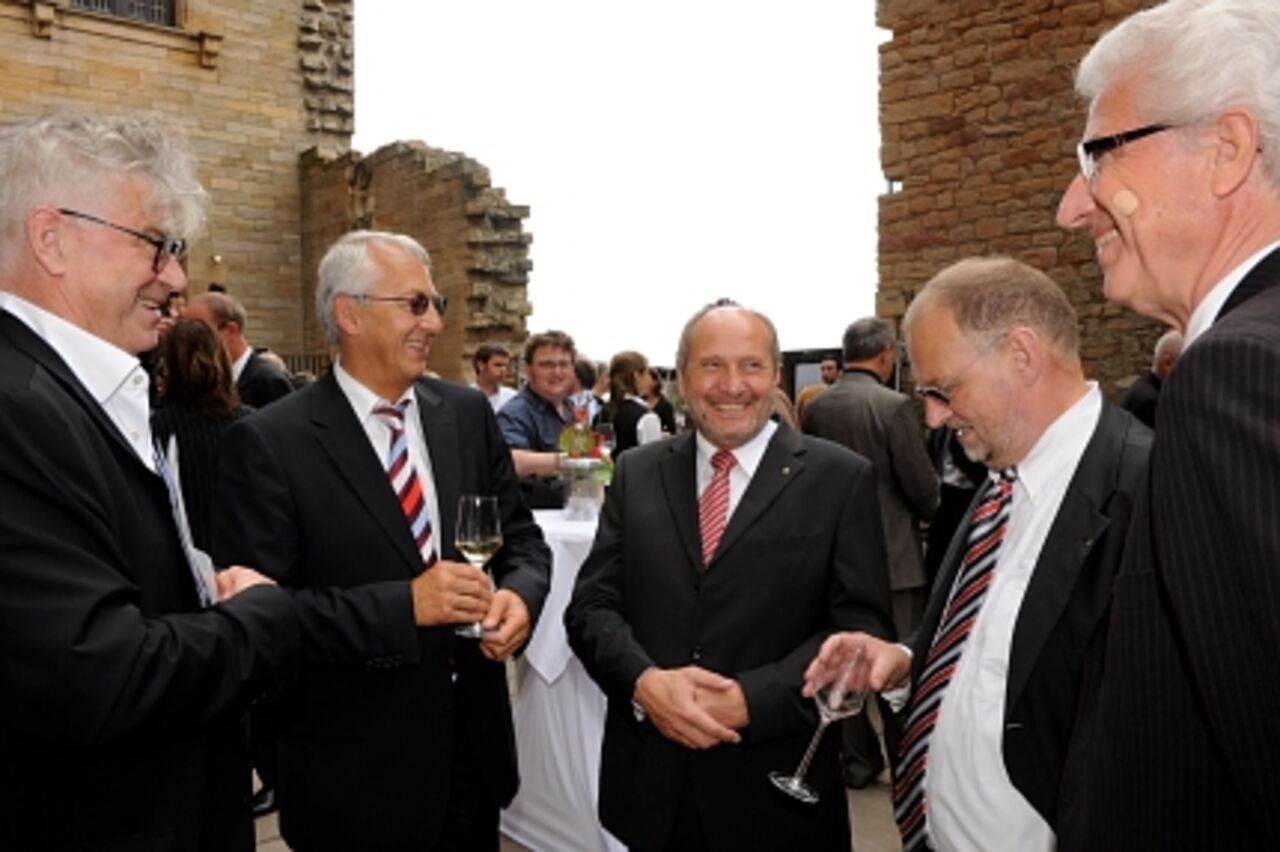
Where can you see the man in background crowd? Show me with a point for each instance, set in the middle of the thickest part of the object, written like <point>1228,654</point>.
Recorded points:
<point>1143,395</point>
<point>258,381</point>
<point>532,421</point>
<point>491,363</point>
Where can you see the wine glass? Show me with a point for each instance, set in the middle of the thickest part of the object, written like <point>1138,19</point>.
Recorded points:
<point>478,538</point>
<point>605,439</point>
<point>835,700</point>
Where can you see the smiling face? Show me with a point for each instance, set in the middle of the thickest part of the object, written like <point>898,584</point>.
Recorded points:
<point>110,287</point>
<point>550,373</point>
<point>975,396</point>
<point>383,344</point>
<point>728,376</point>
<point>1146,208</point>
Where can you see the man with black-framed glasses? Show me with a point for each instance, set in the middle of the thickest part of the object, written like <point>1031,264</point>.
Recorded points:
<point>1180,195</point>
<point>125,663</point>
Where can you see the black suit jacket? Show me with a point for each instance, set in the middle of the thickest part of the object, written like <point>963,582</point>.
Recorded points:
<point>261,382</point>
<point>1177,747</point>
<point>119,725</point>
<point>366,741</point>
<point>1065,603</point>
<point>1142,397</point>
<point>802,556</point>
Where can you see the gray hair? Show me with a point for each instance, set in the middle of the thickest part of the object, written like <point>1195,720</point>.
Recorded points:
<point>866,338</point>
<point>69,159</point>
<point>988,296</point>
<point>347,269</point>
<point>1195,58</point>
<point>1169,344</point>
<point>682,350</point>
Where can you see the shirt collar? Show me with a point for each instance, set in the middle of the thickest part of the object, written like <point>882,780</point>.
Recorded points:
<point>363,400</point>
<point>98,365</point>
<point>1060,445</point>
<point>1207,311</point>
<point>748,455</point>
<point>237,366</point>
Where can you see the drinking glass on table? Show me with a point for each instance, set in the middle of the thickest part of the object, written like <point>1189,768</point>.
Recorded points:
<point>835,701</point>
<point>478,538</point>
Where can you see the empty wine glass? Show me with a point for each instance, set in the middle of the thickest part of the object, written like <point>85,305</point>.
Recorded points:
<point>835,700</point>
<point>478,538</point>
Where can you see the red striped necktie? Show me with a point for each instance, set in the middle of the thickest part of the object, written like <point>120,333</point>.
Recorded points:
<point>986,532</point>
<point>404,479</point>
<point>713,505</point>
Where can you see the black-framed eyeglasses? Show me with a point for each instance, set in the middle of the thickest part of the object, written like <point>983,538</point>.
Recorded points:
<point>1091,150</point>
<point>417,303</point>
<point>166,248</point>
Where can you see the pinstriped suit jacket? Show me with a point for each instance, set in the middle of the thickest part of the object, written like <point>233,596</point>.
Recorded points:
<point>1176,746</point>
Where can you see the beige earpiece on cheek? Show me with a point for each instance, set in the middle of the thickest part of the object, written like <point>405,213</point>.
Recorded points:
<point>1125,202</point>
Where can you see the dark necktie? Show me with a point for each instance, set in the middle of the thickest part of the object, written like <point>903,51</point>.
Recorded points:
<point>405,481</point>
<point>986,532</point>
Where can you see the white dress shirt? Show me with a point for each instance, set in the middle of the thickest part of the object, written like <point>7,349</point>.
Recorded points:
<point>363,401</point>
<point>747,457</point>
<point>973,806</point>
<point>237,366</point>
<point>113,377</point>
<point>1207,311</point>
<point>498,398</point>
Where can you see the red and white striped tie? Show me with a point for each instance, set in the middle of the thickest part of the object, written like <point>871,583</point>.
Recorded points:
<point>713,505</point>
<point>405,481</point>
<point>986,532</point>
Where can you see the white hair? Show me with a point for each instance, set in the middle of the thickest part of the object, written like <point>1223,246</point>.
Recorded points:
<point>347,269</point>
<point>1197,58</point>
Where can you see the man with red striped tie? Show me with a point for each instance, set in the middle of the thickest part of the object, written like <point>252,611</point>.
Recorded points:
<point>995,668</point>
<point>398,735</point>
<point>724,558</point>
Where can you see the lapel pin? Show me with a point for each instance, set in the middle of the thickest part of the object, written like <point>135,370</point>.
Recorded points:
<point>786,470</point>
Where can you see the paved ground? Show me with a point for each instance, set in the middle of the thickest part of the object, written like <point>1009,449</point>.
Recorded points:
<point>869,809</point>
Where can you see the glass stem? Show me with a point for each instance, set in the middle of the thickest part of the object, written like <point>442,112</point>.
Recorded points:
<point>813,746</point>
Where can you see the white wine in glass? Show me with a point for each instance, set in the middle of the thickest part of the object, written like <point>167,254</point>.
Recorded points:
<point>835,701</point>
<point>478,538</point>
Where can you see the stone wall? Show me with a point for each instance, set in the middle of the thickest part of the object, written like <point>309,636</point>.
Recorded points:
<point>479,251</point>
<point>253,83</point>
<point>979,121</point>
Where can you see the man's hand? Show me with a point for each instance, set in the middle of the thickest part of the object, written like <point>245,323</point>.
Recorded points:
<point>505,627</point>
<point>450,593</point>
<point>884,665</point>
<point>234,580</point>
<point>671,698</point>
<point>726,706</point>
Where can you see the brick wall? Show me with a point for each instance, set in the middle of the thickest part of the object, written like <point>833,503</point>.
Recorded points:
<point>252,83</point>
<point>979,121</point>
<point>446,201</point>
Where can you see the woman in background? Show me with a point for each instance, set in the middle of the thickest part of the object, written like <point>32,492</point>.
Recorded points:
<point>198,401</point>
<point>633,422</point>
<point>660,404</point>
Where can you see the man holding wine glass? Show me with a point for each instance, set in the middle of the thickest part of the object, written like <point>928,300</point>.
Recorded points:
<point>362,493</point>
<point>996,665</point>
<point>723,559</point>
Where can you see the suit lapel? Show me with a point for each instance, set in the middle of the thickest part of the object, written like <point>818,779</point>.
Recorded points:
<point>347,444</point>
<point>43,354</point>
<point>679,479</point>
<point>1263,276</point>
<point>439,426</point>
<point>1076,529</point>
<point>782,462</point>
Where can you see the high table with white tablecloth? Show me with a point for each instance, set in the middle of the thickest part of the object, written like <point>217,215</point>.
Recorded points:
<point>559,717</point>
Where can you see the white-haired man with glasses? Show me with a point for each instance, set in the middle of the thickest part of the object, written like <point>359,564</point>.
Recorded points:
<point>125,664</point>
<point>1180,192</point>
<point>399,733</point>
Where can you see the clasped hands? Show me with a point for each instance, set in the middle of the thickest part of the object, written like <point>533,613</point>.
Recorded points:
<point>692,706</point>
<point>459,593</point>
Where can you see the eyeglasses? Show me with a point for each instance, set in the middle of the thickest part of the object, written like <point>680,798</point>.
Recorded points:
<point>166,248</point>
<point>417,303</point>
<point>944,393</point>
<point>1091,150</point>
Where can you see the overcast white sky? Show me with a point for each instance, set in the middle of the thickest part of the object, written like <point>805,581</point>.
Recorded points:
<point>670,152</point>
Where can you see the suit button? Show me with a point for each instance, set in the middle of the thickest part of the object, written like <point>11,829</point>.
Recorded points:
<point>697,654</point>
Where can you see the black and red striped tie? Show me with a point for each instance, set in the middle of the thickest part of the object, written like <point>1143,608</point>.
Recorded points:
<point>986,532</point>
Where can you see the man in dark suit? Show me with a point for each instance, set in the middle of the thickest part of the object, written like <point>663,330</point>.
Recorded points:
<point>123,680</point>
<point>398,734</point>
<point>723,559</point>
<point>258,381</point>
<point>995,667</point>
<point>1176,747</point>
<point>1143,396</point>
<point>883,426</point>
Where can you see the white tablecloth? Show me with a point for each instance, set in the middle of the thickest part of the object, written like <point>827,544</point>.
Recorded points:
<point>559,718</point>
